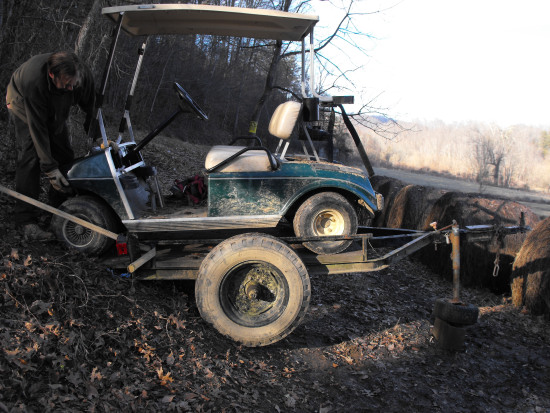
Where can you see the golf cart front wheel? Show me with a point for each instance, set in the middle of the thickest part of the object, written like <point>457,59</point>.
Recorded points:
<point>78,237</point>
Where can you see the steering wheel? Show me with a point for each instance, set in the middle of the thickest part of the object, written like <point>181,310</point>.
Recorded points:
<point>186,101</point>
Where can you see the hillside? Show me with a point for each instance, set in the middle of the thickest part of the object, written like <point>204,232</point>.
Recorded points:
<point>515,157</point>
<point>76,336</point>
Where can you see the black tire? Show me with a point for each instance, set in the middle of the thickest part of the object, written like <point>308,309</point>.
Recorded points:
<point>78,237</point>
<point>455,313</point>
<point>253,288</point>
<point>326,213</point>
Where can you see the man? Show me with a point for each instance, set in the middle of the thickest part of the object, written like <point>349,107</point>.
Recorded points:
<point>39,98</point>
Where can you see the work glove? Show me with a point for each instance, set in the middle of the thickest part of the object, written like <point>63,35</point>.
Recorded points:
<point>58,181</point>
<point>112,144</point>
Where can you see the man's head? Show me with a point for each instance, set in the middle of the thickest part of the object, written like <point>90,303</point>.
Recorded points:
<point>64,70</point>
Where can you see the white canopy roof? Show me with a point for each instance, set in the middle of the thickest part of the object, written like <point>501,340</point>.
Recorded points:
<point>213,20</point>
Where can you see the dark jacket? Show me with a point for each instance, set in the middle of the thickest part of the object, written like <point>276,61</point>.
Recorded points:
<point>33,98</point>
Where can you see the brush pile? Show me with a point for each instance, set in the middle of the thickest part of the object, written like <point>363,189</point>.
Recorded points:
<point>411,207</point>
<point>531,272</point>
<point>482,264</point>
<point>389,188</point>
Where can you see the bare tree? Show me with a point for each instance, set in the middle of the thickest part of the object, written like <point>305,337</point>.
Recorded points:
<point>270,76</point>
<point>345,31</point>
<point>479,160</point>
<point>492,145</point>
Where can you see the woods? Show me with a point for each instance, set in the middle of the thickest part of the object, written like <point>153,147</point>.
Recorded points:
<point>239,81</point>
<point>226,75</point>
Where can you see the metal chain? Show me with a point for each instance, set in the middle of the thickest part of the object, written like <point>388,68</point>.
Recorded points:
<point>499,242</point>
<point>496,268</point>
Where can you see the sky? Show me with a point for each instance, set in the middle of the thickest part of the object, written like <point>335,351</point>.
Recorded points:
<point>455,61</point>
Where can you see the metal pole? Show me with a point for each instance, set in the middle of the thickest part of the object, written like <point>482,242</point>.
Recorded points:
<point>303,81</point>
<point>126,115</point>
<point>98,115</point>
<point>455,256</point>
<point>357,141</point>
<point>108,65</point>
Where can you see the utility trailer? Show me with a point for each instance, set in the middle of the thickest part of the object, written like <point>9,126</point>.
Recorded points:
<point>272,218</point>
<point>255,287</point>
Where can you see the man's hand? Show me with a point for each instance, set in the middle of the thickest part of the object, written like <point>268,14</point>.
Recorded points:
<point>58,181</point>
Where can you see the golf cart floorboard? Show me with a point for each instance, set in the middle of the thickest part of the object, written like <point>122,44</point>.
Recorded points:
<point>175,209</point>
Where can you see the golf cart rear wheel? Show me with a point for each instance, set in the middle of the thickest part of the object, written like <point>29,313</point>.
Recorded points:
<point>81,238</point>
<point>325,214</point>
<point>253,288</point>
<point>459,314</point>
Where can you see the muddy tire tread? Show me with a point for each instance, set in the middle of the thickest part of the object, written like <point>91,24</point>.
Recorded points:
<point>205,292</point>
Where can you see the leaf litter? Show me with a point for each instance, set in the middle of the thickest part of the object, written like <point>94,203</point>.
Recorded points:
<point>76,338</point>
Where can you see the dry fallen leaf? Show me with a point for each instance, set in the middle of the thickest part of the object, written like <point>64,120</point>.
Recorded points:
<point>168,399</point>
<point>170,359</point>
<point>11,352</point>
<point>189,396</point>
<point>96,375</point>
<point>290,401</point>
<point>14,254</point>
<point>164,377</point>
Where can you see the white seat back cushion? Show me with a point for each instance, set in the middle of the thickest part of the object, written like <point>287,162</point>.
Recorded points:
<point>250,161</point>
<point>284,118</point>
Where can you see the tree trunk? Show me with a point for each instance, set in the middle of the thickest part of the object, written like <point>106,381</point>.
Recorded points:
<point>496,173</point>
<point>84,45</point>
<point>13,42</point>
<point>270,79</point>
<point>269,82</point>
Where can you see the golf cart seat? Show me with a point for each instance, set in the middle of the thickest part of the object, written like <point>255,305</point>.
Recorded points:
<point>229,158</point>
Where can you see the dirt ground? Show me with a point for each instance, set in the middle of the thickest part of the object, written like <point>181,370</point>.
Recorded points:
<point>77,337</point>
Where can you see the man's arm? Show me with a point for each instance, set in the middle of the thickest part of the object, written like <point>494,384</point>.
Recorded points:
<point>36,109</point>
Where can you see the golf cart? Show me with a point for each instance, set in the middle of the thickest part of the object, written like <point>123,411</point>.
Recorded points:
<point>250,188</point>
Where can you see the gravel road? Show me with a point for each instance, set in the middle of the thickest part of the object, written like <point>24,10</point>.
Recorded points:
<point>538,202</point>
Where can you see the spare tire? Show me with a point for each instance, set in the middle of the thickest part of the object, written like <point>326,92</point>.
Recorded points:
<point>459,314</point>
<point>253,288</point>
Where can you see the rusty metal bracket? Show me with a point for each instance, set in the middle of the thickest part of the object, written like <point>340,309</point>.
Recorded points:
<point>364,240</point>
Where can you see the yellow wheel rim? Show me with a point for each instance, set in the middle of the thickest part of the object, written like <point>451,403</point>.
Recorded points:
<point>329,222</point>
